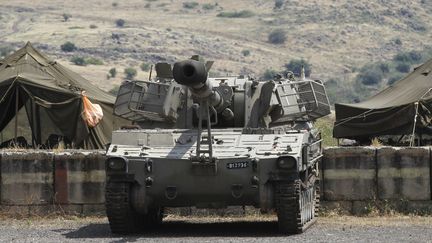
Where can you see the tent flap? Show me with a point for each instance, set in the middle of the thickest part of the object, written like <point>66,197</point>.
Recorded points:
<point>390,112</point>
<point>51,95</point>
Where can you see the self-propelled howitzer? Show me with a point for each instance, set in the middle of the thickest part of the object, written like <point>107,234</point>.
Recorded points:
<point>259,147</point>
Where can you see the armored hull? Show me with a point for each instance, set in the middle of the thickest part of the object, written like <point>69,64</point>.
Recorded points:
<point>262,151</point>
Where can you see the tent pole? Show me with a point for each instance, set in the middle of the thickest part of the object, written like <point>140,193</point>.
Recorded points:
<point>33,125</point>
<point>16,112</point>
<point>414,124</point>
<point>38,126</point>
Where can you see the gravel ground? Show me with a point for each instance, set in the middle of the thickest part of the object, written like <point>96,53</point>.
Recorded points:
<point>250,229</point>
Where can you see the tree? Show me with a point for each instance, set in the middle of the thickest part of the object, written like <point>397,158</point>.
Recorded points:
<point>269,74</point>
<point>113,72</point>
<point>296,65</point>
<point>68,47</point>
<point>130,73</point>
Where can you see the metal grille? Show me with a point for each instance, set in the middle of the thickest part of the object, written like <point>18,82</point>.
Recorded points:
<point>303,100</point>
<point>141,100</point>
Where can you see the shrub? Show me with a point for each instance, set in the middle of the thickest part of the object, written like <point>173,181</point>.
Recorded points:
<point>296,65</point>
<point>403,67</point>
<point>208,6</point>
<point>408,57</point>
<point>115,36</point>
<point>415,56</point>
<point>269,74</point>
<point>113,72</point>
<point>417,25</point>
<point>76,28</point>
<point>384,67</point>
<point>114,90</point>
<point>93,26</point>
<point>370,76</point>
<point>236,14</point>
<point>394,78</point>
<point>398,41</point>
<point>130,73</point>
<point>277,36</point>
<point>80,61</point>
<point>145,67</point>
<point>114,4</point>
<point>190,5</point>
<point>246,53</point>
<point>66,17</point>
<point>279,4</point>
<point>93,61</point>
<point>68,47</point>
<point>4,51</point>
<point>402,57</point>
<point>120,22</point>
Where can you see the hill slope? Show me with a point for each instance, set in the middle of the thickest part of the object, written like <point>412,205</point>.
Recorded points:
<point>336,37</point>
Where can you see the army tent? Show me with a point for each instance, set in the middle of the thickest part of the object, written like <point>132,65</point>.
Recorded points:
<point>401,109</point>
<point>51,97</point>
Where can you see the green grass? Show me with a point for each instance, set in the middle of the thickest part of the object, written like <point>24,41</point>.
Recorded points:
<point>325,126</point>
<point>236,14</point>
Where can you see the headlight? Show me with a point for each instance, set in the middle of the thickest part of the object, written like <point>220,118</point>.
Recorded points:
<point>287,162</point>
<point>116,164</point>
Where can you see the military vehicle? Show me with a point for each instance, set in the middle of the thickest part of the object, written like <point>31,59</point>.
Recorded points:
<point>215,142</point>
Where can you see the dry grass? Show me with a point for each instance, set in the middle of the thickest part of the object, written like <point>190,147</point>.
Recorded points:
<point>375,142</point>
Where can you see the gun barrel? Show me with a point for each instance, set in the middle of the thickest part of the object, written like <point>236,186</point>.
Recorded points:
<point>193,74</point>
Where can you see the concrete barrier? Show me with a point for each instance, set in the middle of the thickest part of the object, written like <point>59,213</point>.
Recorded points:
<point>349,173</point>
<point>26,178</point>
<point>354,180</point>
<point>79,178</point>
<point>404,173</point>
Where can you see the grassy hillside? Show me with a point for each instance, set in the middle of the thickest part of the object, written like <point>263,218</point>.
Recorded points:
<point>337,37</point>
